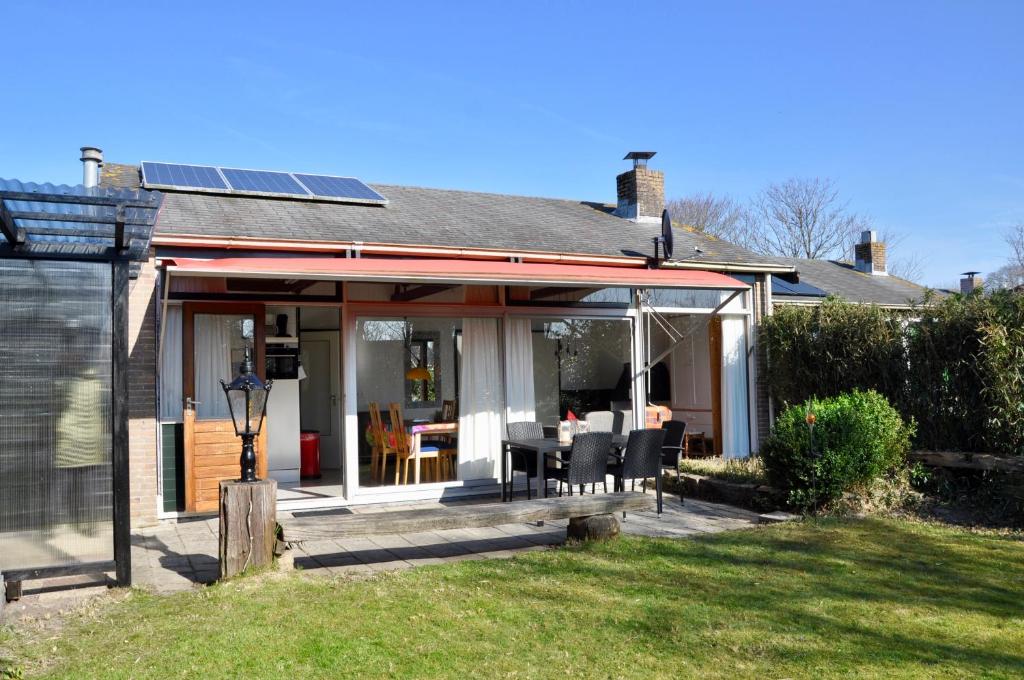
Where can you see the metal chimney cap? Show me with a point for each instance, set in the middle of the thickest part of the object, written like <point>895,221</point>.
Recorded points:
<point>92,153</point>
<point>970,273</point>
<point>639,158</point>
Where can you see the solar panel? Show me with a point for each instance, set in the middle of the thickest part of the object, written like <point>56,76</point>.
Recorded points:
<point>781,287</point>
<point>258,182</point>
<point>172,175</point>
<point>339,187</point>
<point>263,181</point>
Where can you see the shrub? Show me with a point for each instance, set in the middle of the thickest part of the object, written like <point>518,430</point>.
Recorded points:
<point>858,437</point>
<point>955,365</point>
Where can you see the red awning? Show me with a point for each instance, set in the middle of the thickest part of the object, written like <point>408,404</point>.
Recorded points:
<point>417,270</point>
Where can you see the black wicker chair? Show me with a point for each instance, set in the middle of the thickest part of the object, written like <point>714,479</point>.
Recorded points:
<point>522,460</point>
<point>642,460</point>
<point>587,463</point>
<point>672,449</point>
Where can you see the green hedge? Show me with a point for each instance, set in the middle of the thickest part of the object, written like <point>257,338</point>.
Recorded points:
<point>955,365</point>
<point>858,437</point>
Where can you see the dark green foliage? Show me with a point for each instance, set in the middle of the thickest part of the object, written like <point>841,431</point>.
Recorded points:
<point>956,365</point>
<point>857,437</point>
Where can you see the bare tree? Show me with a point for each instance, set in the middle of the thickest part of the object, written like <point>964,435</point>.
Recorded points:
<point>718,216</point>
<point>909,266</point>
<point>801,218</point>
<point>1015,239</point>
<point>1008,276</point>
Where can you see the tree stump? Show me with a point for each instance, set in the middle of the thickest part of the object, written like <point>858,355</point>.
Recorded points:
<point>248,525</point>
<point>594,527</point>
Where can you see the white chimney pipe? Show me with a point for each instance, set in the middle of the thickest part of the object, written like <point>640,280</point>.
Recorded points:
<point>92,159</point>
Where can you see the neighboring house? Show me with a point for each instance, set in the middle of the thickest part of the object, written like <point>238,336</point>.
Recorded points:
<point>865,281</point>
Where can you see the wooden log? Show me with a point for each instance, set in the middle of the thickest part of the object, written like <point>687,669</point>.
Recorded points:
<point>248,525</point>
<point>969,461</point>
<point>300,529</point>
<point>593,528</point>
<point>12,591</point>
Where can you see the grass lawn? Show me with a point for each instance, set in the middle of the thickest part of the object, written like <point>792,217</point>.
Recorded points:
<point>742,470</point>
<point>813,600</point>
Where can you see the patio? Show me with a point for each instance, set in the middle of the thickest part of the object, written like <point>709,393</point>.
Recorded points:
<point>178,555</point>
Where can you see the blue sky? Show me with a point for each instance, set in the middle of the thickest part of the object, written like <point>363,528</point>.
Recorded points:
<point>914,109</point>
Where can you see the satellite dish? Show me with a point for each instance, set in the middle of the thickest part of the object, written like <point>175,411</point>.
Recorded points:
<point>666,234</point>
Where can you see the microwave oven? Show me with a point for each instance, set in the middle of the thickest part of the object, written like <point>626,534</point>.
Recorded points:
<point>282,362</point>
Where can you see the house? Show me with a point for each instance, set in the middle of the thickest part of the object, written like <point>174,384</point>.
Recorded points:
<point>519,308</point>
<point>468,308</point>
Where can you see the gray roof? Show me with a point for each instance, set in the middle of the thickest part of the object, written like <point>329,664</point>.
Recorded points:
<point>439,217</point>
<point>841,279</point>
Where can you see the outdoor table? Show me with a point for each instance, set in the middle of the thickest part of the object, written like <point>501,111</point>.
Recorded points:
<point>540,447</point>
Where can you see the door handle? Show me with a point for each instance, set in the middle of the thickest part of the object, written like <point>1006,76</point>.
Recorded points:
<point>334,399</point>
<point>191,403</point>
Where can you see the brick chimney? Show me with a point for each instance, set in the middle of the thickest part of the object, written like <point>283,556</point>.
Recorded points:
<point>641,191</point>
<point>869,254</point>
<point>970,282</point>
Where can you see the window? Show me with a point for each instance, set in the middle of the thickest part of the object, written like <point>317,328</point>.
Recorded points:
<point>421,371</point>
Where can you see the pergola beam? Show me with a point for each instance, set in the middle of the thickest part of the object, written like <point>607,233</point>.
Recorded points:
<point>83,219</point>
<point>122,240</point>
<point>151,202</point>
<point>14,234</point>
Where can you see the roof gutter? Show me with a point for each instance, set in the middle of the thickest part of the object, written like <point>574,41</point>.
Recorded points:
<point>737,267</point>
<point>364,248</point>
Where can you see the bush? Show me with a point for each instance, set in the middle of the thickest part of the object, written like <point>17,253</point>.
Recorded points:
<point>955,365</point>
<point>858,437</point>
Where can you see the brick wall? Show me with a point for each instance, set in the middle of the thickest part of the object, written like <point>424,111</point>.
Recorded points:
<point>870,257</point>
<point>142,426</point>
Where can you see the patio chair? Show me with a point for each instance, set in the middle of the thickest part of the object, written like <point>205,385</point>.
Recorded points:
<point>522,460</point>
<point>587,463</point>
<point>641,460</point>
<point>672,449</point>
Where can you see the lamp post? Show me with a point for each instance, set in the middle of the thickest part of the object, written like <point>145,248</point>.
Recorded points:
<point>247,401</point>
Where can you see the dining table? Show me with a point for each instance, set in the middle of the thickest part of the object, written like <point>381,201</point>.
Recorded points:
<point>540,447</point>
<point>431,430</point>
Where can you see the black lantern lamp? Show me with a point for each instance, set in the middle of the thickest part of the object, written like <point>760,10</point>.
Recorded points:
<point>247,400</point>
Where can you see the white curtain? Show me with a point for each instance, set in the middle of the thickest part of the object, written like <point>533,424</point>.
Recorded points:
<point>519,397</point>
<point>213,333</point>
<point>735,421</point>
<point>170,367</point>
<point>480,400</point>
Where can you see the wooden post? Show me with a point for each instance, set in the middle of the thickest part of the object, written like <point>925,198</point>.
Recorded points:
<point>594,527</point>
<point>119,423</point>
<point>248,525</point>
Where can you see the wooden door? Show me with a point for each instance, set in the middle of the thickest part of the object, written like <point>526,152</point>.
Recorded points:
<point>320,393</point>
<point>214,337</point>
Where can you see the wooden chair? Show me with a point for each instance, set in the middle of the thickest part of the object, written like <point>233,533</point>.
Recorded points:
<point>449,414</point>
<point>383,447</point>
<point>435,454</point>
<point>449,411</point>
